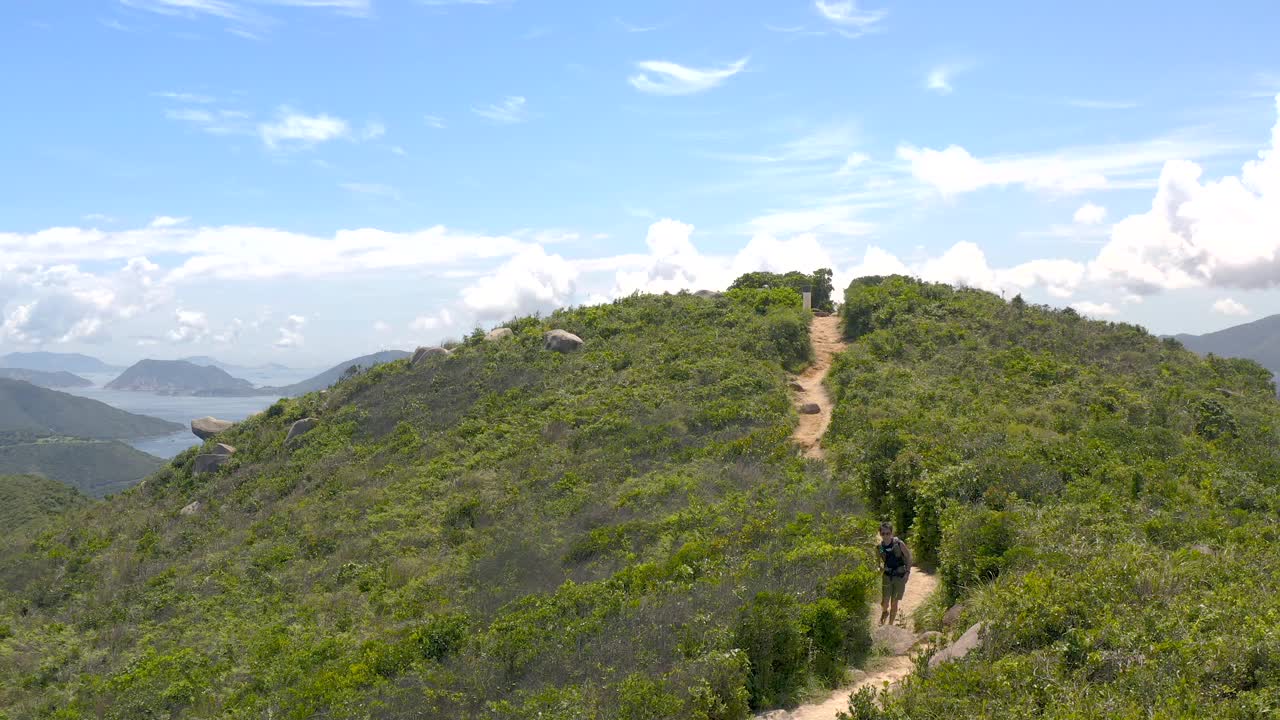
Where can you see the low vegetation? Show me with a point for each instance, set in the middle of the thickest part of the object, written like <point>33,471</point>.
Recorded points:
<point>505,532</point>
<point>94,467</point>
<point>1104,500</point>
<point>27,500</point>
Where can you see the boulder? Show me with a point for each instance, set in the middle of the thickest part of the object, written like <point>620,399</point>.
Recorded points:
<point>208,463</point>
<point>223,449</point>
<point>206,427</point>
<point>951,617</point>
<point>499,334</point>
<point>797,387</point>
<point>191,509</point>
<point>929,637</point>
<point>423,352</point>
<point>709,294</point>
<point>300,428</point>
<point>810,409</point>
<point>1203,550</point>
<point>968,642</point>
<point>561,341</point>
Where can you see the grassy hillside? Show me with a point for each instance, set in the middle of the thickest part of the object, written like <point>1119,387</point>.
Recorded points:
<point>94,467</point>
<point>505,532</point>
<point>25,408</point>
<point>1106,501</point>
<point>30,499</point>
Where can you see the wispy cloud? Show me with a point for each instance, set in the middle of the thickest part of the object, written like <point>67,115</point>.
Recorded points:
<point>631,28</point>
<point>659,77</point>
<point>510,111</point>
<point>851,21</point>
<point>939,78</point>
<point>212,121</point>
<point>185,97</point>
<point>1101,104</point>
<point>295,129</point>
<point>246,15</point>
<point>434,121</point>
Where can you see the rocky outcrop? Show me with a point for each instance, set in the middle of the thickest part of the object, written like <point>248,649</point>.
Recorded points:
<point>191,509</point>
<point>208,463</point>
<point>223,449</point>
<point>561,341</point>
<point>206,427</point>
<point>810,409</point>
<point>300,428</point>
<point>952,616</point>
<point>968,642</point>
<point>796,386</point>
<point>498,334</point>
<point>425,352</point>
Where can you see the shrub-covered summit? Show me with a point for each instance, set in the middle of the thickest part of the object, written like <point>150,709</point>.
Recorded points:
<point>503,532</point>
<point>1104,500</point>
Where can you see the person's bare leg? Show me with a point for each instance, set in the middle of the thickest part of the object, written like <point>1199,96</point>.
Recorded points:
<point>884,610</point>
<point>893,610</point>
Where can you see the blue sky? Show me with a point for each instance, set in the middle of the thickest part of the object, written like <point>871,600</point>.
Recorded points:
<point>303,181</point>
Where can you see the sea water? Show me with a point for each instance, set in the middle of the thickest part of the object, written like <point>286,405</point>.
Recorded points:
<point>181,409</point>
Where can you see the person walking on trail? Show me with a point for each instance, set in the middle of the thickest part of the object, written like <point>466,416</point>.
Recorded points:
<point>895,562</point>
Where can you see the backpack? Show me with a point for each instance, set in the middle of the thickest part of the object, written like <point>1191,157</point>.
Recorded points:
<point>903,556</point>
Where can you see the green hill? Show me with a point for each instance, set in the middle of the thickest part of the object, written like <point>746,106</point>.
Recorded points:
<point>94,467</point>
<point>30,499</point>
<point>178,377</point>
<point>1258,341</point>
<point>1105,501</point>
<point>55,362</point>
<point>504,532</point>
<point>59,379</point>
<point>25,408</point>
<point>333,374</point>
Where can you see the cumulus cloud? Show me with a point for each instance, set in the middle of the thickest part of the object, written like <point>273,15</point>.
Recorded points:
<point>193,326</point>
<point>62,304</point>
<point>659,77</point>
<point>1090,214</point>
<point>441,319</point>
<point>1221,233</point>
<point>1228,306</point>
<point>1095,310</point>
<point>531,281</point>
<point>291,332</point>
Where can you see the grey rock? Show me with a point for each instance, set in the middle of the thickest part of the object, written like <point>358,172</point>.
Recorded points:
<point>206,427</point>
<point>709,294</point>
<point>425,352</point>
<point>191,509</point>
<point>951,617</point>
<point>208,463</point>
<point>300,428</point>
<point>223,449</point>
<point>499,334</point>
<point>929,637</point>
<point>1203,550</point>
<point>968,642</point>
<point>561,341</point>
<point>810,409</point>
<point>797,387</point>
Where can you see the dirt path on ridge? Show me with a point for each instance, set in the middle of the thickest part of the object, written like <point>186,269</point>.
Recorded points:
<point>824,333</point>
<point>883,670</point>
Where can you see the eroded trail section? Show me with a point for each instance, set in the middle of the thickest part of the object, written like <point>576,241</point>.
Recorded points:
<point>896,640</point>
<point>824,334</point>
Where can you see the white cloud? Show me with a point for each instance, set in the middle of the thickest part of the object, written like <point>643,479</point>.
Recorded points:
<point>183,97</point>
<point>434,121</point>
<point>163,221</point>
<point>939,78</point>
<point>193,326</point>
<point>62,304</point>
<point>1090,214</point>
<point>510,111</point>
<point>954,170</point>
<point>1095,310</point>
<point>531,281</point>
<point>659,77</point>
<point>1228,306</point>
<point>441,319</point>
<point>244,12</point>
<point>291,332</point>
<point>213,121</point>
<point>295,129</point>
<point>1222,233</point>
<point>851,20</point>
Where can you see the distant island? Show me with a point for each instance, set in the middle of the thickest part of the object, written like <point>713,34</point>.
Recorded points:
<point>206,361</point>
<point>1258,341</point>
<point>44,378</point>
<point>178,377</point>
<point>55,362</point>
<point>333,374</point>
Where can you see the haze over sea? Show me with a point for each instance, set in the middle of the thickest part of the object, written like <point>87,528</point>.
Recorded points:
<point>184,408</point>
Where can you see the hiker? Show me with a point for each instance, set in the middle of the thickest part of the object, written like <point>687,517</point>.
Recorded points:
<point>895,562</point>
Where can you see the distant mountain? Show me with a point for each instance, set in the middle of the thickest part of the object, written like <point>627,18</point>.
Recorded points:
<point>25,408</point>
<point>94,467</point>
<point>26,499</point>
<point>206,361</point>
<point>55,362</point>
<point>333,374</point>
<point>59,379</point>
<point>1258,341</point>
<point>178,377</point>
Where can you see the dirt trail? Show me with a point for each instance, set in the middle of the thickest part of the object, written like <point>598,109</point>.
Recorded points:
<point>896,639</point>
<point>824,333</point>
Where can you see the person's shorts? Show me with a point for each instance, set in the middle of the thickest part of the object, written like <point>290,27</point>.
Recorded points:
<point>892,587</point>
